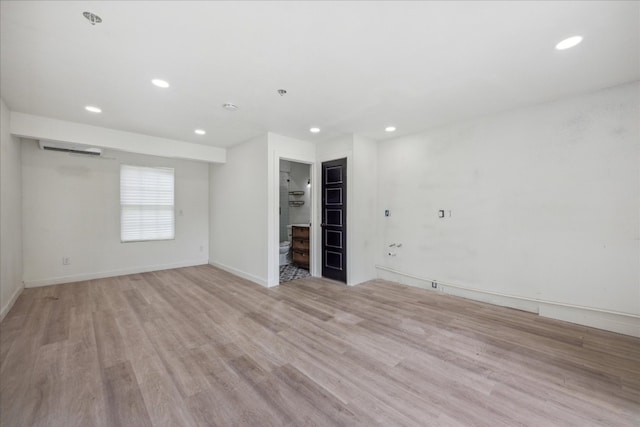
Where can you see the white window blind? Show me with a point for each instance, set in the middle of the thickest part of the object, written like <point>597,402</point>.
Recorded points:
<point>146,203</point>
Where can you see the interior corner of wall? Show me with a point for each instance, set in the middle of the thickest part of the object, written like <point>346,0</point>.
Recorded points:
<point>12,300</point>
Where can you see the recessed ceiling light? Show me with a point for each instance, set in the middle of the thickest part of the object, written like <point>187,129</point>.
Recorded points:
<point>160,83</point>
<point>200,131</point>
<point>568,43</point>
<point>314,130</point>
<point>390,129</point>
<point>93,109</point>
<point>230,107</point>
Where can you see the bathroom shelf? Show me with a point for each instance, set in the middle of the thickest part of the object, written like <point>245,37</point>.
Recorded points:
<point>296,193</point>
<point>296,203</point>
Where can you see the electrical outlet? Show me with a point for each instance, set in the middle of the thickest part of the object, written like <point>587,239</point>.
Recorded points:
<point>387,213</point>
<point>434,285</point>
<point>66,260</point>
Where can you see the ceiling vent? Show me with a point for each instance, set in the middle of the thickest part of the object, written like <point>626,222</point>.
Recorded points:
<point>66,147</point>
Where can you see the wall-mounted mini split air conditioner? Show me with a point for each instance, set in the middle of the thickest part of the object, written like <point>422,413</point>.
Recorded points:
<point>67,147</point>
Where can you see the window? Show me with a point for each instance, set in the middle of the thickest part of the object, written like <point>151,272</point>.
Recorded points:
<point>146,203</point>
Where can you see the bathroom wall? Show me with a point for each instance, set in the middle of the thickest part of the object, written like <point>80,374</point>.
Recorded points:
<point>299,177</point>
<point>284,199</point>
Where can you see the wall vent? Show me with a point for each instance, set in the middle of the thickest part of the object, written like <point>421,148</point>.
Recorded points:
<point>66,147</point>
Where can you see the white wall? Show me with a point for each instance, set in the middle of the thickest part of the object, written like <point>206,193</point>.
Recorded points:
<point>71,208</point>
<point>545,208</point>
<point>364,206</point>
<point>10,215</point>
<point>238,207</point>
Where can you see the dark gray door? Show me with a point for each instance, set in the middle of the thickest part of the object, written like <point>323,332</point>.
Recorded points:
<point>334,220</point>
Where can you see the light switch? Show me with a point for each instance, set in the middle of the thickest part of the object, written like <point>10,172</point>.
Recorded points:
<point>387,213</point>
<point>441,213</point>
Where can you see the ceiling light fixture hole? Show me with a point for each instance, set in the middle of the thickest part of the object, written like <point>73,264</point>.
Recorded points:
<point>93,18</point>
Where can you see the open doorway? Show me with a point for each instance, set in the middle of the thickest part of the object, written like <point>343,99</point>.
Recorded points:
<point>295,220</point>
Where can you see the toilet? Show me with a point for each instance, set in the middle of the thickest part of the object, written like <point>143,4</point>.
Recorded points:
<point>285,248</point>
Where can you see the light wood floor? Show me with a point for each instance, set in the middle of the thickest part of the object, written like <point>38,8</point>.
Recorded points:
<point>198,346</point>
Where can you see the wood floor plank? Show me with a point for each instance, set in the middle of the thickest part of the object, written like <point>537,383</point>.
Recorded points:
<point>125,403</point>
<point>162,399</point>
<point>198,346</point>
<point>46,386</point>
<point>179,364</point>
<point>57,327</point>
<point>83,394</point>
<point>109,343</point>
<point>20,360</point>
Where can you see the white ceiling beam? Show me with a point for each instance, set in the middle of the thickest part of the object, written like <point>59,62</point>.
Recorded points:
<point>45,128</point>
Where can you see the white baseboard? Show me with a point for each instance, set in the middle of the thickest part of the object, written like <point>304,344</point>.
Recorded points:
<point>12,300</point>
<point>491,298</point>
<point>623,323</point>
<point>627,325</point>
<point>112,273</point>
<point>255,279</point>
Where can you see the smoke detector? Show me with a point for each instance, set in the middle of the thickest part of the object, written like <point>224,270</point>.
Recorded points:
<point>93,18</point>
<point>282,92</point>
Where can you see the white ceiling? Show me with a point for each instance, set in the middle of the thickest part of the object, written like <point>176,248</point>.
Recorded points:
<point>348,67</point>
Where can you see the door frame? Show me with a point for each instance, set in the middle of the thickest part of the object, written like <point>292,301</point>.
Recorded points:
<point>273,268</point>
<point>338,154</point>
<point>273,241</point>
